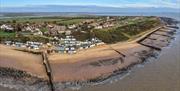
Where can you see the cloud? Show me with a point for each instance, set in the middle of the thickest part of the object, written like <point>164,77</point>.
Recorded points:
<point>153,3</point>
<point>141,4</point>
<point>110,3</point>
<point>167,3</point>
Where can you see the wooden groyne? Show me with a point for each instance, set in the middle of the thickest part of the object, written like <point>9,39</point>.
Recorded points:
<point>154,33</point>
<point>171,30</point>
<point>173,26</point>
<point>153,47</point>
<point>163,35</point>
<point>118,52</point>
<point>147,35</point>
<point>152,38</point>
<point>48,70</point>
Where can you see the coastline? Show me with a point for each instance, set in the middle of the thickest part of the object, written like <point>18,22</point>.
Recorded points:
<point>142,57</point>
<point>107,78</point>
<point>135,54</point>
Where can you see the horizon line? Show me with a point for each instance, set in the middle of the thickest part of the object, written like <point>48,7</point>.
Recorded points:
<point>109,6</point>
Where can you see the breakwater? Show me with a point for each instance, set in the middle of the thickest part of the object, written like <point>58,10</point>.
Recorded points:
<point>48,70</point>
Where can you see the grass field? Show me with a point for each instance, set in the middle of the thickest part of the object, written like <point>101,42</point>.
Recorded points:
<point>71,21</point>
<point>58,20</point>
<point>4,34</point>
<point>36,20</point>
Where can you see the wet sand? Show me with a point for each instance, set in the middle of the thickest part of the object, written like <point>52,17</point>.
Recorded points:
<point>6,89</point>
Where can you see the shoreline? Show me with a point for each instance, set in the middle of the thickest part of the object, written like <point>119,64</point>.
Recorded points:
<point>18,79</point>
<point>117,74</point>
<point>121,71</point>
<point>21,83</point>
<point>140,56</point>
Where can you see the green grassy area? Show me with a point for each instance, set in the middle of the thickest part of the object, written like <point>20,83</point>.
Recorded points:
<point>71,21</point>
<point>58,20</point>
<point>111,36</point>
<point>33,20</point>
<point>128,31</point>
<point>6,34</point>
<point>35,38</point>
<point>81,36</point>
<point>139,26</point>
<point>43,30</point>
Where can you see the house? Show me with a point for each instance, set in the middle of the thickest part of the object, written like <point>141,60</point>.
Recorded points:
<point>37,32</point>
<point>68,32</point>
<point>3,26</point>
<point>72,26</point>
<point>7,28</point>
<point>59,29</point>
<point>49,26</point>
<point>55,30</point>
<point>98,27</point>
<point>28,29</point>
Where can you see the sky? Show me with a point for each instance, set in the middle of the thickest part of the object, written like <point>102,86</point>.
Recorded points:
<point>109,3</point>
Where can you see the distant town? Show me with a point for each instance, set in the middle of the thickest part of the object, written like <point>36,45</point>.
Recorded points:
<point>67,35</point>
<point>65,44</point>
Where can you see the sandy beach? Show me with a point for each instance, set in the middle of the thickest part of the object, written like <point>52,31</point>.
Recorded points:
<point>30,63</point>
<point>79,67</point>
<point>90,64</point>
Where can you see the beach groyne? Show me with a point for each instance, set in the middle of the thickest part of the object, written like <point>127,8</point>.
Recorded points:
<point>152,41</point>
<point>48,70</point>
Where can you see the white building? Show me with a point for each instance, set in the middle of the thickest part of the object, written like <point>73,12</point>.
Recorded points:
<point>7,27</point>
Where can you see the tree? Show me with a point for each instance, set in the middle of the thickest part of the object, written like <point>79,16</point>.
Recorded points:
<point>18,27</point>
<point>14,21</point>
<point>54,22</point>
